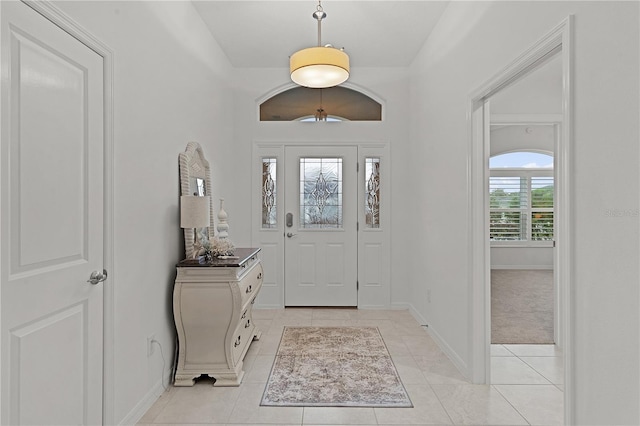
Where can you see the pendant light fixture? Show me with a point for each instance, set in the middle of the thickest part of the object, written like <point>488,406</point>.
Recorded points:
<point>321,66</point>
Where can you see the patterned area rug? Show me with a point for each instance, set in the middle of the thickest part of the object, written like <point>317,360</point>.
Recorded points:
<point>334,367</point>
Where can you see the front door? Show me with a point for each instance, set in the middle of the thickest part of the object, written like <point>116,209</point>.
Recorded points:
<point>321,267</point>
<point>51,208</point>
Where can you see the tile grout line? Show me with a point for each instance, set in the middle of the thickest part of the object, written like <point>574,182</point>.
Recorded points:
<point>441,404</point>
<point>536,370</point>
<point>511,404</point>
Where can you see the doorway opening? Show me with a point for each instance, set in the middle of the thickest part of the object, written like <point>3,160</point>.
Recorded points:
<point>521,234</point>
<point>321,239</point>
<point>556,44</point>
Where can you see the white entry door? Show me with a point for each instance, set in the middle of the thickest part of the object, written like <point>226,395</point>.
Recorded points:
<point>321,262</point>
<point>51,223</point>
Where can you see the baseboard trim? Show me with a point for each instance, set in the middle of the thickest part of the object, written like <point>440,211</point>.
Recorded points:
<point>450,353</point>
<point>373,307</point>
<point>146,402</point>
<point>442,344</point>
<point>265,306</point>
<point>545,267</point>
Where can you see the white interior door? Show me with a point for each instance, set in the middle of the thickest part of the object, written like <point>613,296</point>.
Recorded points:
<point>51,223</point>
<point>321,267</point>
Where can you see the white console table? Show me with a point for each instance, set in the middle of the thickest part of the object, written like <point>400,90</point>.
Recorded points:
<point>212,305</point>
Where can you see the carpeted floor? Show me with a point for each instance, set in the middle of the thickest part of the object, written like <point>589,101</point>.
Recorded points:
<point>522,306</point>
<point>334,367</point>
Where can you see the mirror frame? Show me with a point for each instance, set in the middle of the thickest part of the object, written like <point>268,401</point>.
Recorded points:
<point>194,166</point>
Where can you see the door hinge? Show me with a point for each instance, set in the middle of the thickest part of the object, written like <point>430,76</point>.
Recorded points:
<point>357,166</point>
<point>357,226</point>
<point>357,285</point>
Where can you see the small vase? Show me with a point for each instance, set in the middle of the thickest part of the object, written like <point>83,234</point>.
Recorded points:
<point>223,226</point>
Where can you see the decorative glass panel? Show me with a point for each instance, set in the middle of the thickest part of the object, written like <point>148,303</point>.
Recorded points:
<point>269,217</point>
<point>321,192</point>
<point>372,192</point>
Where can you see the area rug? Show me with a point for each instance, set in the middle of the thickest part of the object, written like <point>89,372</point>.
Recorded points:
<point>522,306</point>
<point>334,367</point>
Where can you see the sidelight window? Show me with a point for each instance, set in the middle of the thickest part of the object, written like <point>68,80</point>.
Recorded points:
<point>269,192</point>
<point>372,192</point>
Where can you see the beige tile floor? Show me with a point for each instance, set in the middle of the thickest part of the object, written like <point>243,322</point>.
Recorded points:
<point>526,388</point>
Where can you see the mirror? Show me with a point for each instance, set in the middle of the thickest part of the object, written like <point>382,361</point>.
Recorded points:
<point>195,179</point>
<point>200,190</point>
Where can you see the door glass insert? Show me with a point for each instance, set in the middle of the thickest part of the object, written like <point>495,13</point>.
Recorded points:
<point>269,216</point>
<point>372,189</point>
<point>320,193</point>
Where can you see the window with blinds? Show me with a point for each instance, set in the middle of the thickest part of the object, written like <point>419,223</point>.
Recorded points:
<point>521,205</point>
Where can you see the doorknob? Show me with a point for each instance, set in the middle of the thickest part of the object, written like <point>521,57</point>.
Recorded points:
<point>97,277</point>
<point>289,234</point>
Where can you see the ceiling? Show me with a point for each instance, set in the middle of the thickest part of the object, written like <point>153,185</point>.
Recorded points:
<point>263,33</point>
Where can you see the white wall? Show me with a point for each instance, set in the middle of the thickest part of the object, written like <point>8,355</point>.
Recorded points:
<point>389,85</point>
<point>522,137</point>
<point>538,92</point>
<point>521,258</point>
<point>170,87</point>
<point>472,42</point>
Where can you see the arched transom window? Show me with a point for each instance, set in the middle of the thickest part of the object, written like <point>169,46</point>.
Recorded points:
<point>332,104</point>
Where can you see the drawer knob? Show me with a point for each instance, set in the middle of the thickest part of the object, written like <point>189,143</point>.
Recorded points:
<point>244,315</point>
<point>237,342</point>
<point>249,290</point>
<point>259,275</point>
<point>247,324</point>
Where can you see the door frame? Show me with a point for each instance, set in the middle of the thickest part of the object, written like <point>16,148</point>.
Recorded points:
<point>559,39</point>
<point>67,24</point>
<point>374,248</point>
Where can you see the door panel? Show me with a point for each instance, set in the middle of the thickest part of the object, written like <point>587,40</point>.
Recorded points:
<point>59,370</point>
<point>321,243</point>
<point>65,220</point>
<point>52,222</point>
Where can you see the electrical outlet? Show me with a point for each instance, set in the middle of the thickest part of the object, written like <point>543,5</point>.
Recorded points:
<point>150,348</point>
<point>428,295</point>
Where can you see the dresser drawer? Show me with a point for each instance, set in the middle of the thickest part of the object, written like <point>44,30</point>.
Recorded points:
<point>250,283</point>
<point>242,337</point>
